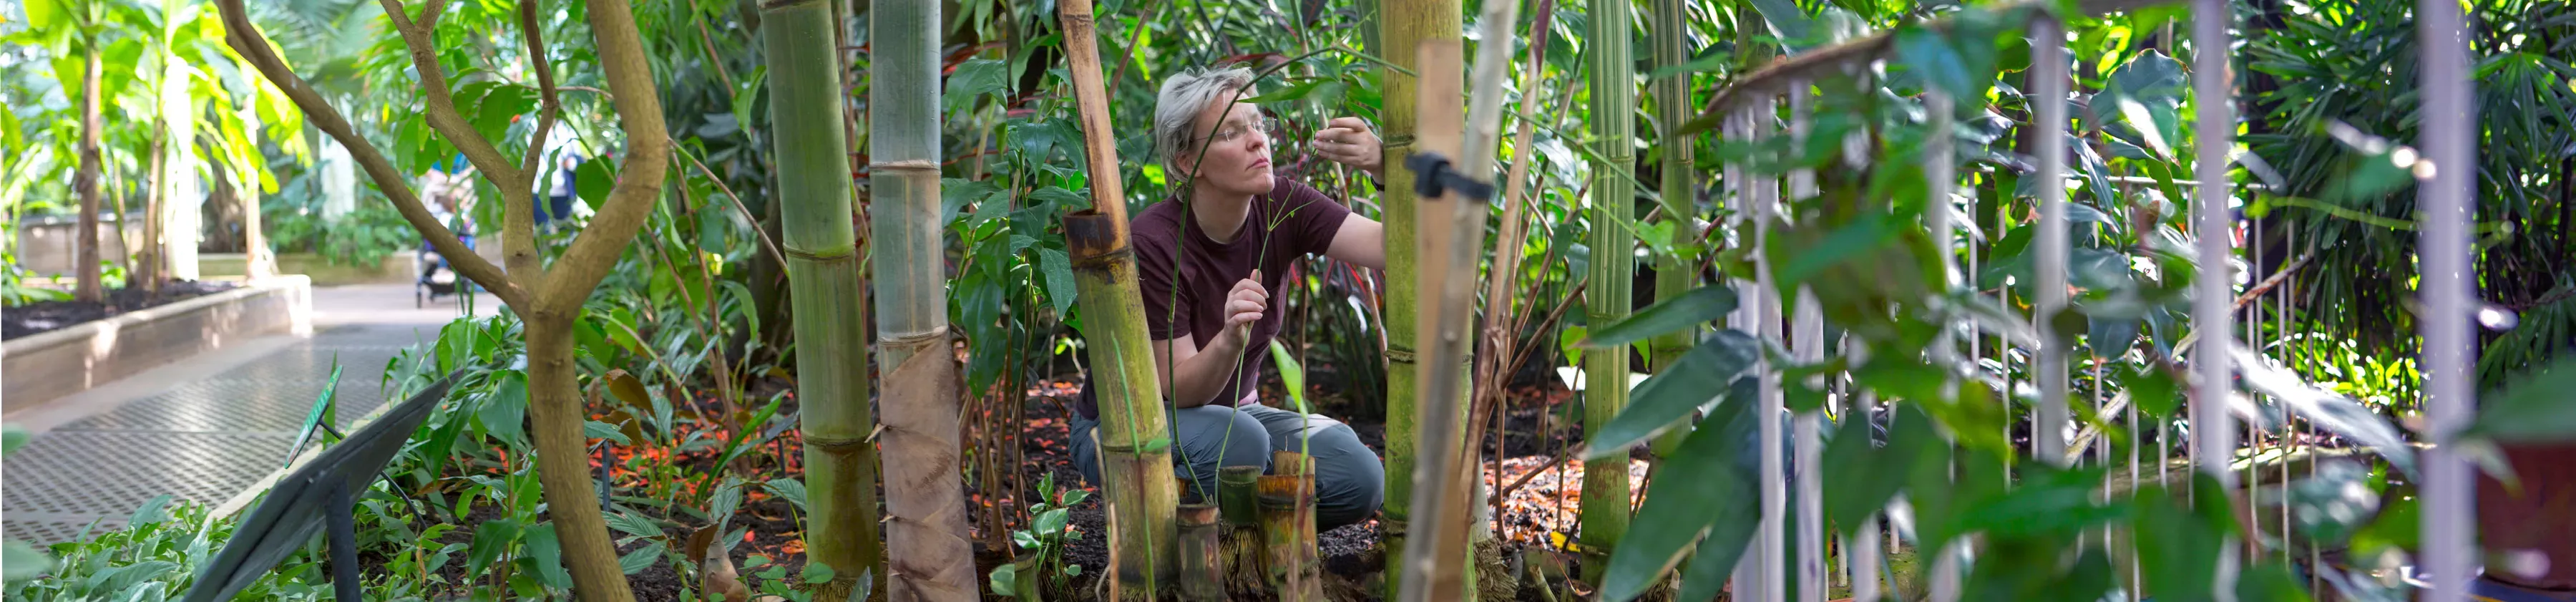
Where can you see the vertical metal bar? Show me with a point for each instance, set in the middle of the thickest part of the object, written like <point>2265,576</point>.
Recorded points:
<point>2214,431</point>
<point>1771,571</point>
<point>2048,69</point>
<point>2449,139</point>
<point>1938,170</point>
<point>1747,316</point>
<point>1808,346</point>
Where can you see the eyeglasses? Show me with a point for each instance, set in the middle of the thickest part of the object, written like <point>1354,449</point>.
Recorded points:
<point>1236,130</point>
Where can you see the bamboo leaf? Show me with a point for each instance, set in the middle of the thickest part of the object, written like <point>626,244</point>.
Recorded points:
<point>1700,377</point>
<point>1691,309</point>
<point>1291,374</point>
<point>1712,504</point>
<point>1860,476</point>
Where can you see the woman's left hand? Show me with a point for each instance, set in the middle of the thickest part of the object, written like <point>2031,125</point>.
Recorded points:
<point>1348,141</point>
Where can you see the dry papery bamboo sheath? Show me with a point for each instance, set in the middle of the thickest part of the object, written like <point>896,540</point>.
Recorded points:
<point>1201,575</point>
<point>1289,556</point>
<point>1134,443</point>
<point>823,268</point>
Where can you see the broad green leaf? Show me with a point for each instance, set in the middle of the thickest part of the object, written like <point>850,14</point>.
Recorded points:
<point>1931,57</point>
<point>1005,580</point>
<point>592,181</point>
<point>2110,337</point>
<point>2049,501</point>
<point>1059,278</point>
<point>2154,391</point>
<point>2532,407</point>
<point>971,81</point>
<point>491,538</point>
<point>2178,546</point>
<point>1792,24</point>
<point>601,430</point>
<point>956,193</point>
<point>2270,582</point>
<point>2326,409</point>
<point>1050,522</point>
<point>11,438</point>
<point>1860,476</point>
<point>1712,503</point>
<point>816,572</point>
<point>791,490</point>
<point>1690,310</point>
<point>152,512</point>
<point>1666,399</point>
<point>2329,506</point>
<point>505,411</point>
<point>548,553</point>
<point>1864,235</point>
<point>633,525</point>
<point>19,561</point>
<point>642,558</point>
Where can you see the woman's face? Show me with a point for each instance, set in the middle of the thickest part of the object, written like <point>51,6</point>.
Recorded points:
<point>1236,158</point>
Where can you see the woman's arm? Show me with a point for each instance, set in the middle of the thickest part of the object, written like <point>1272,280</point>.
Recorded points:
<point>1360,241</point>
<point>1198,375</point>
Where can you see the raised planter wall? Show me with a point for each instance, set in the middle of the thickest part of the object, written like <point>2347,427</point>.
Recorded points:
<point>50,245</point>
<point>43,367</point>
<point>396,268</point>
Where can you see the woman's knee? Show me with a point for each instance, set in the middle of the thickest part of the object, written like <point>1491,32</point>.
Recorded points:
<point>1220,436</point>
<point>1350,481</point>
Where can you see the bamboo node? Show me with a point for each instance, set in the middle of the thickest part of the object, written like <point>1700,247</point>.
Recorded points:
<point>905,165</point>
<point>1398,355</point>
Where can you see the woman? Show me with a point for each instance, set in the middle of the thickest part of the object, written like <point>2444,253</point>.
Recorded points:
<point>1207,261</point>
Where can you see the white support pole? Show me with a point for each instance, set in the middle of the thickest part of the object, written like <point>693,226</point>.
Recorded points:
<point>2048,72</point>
<point>1747,316</point>
<point>1939,165</point>
<point>1808,346</point>
<point>2449,140</point>
<point>1771,570</point>
<point>2214,431</point>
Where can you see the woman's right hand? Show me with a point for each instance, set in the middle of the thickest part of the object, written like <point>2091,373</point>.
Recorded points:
<point>1244,305</point>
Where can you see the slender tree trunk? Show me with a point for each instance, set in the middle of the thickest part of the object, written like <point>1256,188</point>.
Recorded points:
<point>556,414</point>
<point>85,237</point>
<point>156,193</point>
<point>1141,490</point>
<point>822,262</point>
<point>257,260</point>
<point>1674,272</point>
<point>927,504</point>
<point>1605,371</point>
<point>1403,26</point>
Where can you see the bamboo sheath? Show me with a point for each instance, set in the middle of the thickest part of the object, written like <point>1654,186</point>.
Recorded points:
<point>1287,499</point>
<point>823,276</point>
<point>1201,573</point>
<point>1134,439</point>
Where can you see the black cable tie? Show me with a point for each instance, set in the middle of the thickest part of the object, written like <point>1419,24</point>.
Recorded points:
<point>1433,175</point>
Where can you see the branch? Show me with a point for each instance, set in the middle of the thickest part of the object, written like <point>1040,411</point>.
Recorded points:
<point>240,34</point>
<point>442,114</point>
<point>639,175</point>
<point>518,222</point>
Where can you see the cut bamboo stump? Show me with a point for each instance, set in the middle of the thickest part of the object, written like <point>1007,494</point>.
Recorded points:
<point>1238,503</point>
<point>1202,567</point>
<point>1288,529</point>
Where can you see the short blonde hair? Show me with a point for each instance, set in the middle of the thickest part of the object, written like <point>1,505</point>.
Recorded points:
<point>1176,108</point>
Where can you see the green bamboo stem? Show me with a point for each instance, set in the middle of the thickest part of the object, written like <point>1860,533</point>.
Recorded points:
<point>823,280</point>
<point>1605,391</point>
<point>1402,27</point>
<point>1133,440</point>
<point>920,432</point>
<point>1673,271</point>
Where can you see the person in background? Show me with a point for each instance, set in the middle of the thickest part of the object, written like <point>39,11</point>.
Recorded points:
<point>1207,261</point>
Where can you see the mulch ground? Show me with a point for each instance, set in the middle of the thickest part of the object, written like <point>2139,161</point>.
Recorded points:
<point>51,315</point>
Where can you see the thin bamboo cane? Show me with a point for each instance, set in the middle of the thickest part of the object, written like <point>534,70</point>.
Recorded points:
<point>1132,427</point>
<point>1673,273</point>
<point>823,267</point>
<point>2449,132</point>
<point>2214,430</point>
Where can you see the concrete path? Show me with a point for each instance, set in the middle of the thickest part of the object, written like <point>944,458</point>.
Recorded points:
<point>212,426</point>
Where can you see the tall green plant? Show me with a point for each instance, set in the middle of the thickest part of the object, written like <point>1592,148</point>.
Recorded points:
<point>1605,373</point>
<point>823,281</point>
<point>1675,270</point>
<point>920,436</point>
<point>1403,26</point>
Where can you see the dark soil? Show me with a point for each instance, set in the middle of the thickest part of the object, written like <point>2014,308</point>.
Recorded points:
<point>51,315</point>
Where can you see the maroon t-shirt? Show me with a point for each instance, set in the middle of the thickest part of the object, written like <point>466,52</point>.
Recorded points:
<point>1184,275</point>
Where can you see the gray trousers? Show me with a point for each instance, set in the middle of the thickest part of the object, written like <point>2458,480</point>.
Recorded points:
<point>1349,480</point>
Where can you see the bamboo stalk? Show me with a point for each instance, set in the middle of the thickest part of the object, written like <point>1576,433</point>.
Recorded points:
<point>921,417</point>
<point>823,268</point>
<point>1287,500</point>
<point>1673,271</point>
<point>1238,500</point>
<point>1201,575</point>
<point>1134,440</point>
<point>1402,26</point>
<point>1605,480</point>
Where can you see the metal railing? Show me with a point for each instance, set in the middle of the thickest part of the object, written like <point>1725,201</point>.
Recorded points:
<point>1748,110</point>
